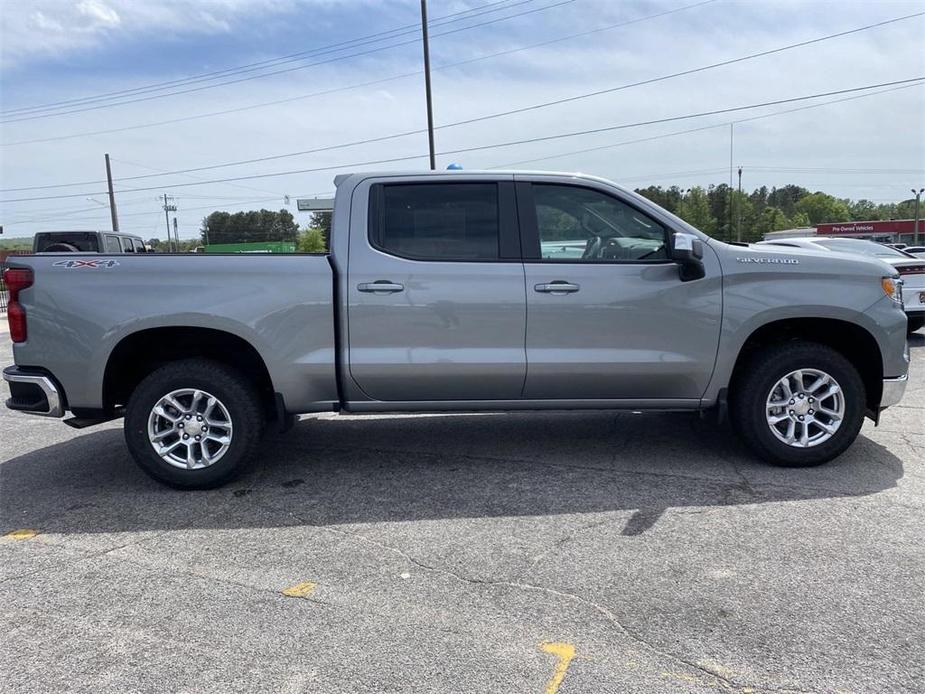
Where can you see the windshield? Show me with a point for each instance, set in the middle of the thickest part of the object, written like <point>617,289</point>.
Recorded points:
<point>862,247</point>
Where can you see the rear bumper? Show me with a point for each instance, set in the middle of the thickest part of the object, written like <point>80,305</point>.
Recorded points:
<point>33,392</point>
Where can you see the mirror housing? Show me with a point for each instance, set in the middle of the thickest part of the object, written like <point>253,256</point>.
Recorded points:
<point>687,252</point>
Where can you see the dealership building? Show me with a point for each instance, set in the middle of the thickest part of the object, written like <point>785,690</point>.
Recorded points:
<point>885,231</point>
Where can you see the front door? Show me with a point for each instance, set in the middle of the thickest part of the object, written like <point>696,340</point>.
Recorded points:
<point>437,307</point>
<point>608,316</point>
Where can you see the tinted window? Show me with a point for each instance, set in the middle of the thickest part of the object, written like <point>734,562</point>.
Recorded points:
<point>82,241</point>
<point>127,245</point>
<point>438,221</point>
<point>584,225</point>
<point>862,247</point>
<point>112,245</point>
<point>139,246</point>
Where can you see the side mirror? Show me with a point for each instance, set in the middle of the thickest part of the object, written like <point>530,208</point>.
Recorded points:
<point>687,252</point>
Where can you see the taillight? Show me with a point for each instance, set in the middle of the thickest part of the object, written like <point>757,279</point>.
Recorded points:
<point>911,269</point>
<point>17,279</point>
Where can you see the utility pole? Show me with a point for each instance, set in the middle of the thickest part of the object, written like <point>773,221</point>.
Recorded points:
<point>918,198</point>
<point>168,208</point>
<point>731,199</point>
<point>176,233</point>
<point>739,209</point>
<point>430,103</point>
<point>112,196</point>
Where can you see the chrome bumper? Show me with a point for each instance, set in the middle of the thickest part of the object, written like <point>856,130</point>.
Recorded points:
<point>49,404</point>
<point>893,389</point>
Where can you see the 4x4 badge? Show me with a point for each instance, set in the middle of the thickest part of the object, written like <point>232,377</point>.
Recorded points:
<point>71,264</point>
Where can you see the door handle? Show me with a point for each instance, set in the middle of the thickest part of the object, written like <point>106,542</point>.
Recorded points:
<point>380,287</point>
<point>557,287</point>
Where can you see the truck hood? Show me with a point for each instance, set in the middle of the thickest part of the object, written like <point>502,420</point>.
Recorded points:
<point>806,260</point>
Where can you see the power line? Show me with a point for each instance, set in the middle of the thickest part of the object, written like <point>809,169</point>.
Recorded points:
<point>468,121</point>
<point>279,72</point>
<point>545,138</point>
<point>371,83</point>
<point>698,129</point>
<point>342,45</point>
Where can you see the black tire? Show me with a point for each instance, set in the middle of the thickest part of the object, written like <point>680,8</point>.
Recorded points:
<point>236,394</point>
<point>914,323</point>
<point>748,401</point>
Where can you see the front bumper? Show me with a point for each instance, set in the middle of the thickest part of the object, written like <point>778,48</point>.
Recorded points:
<point>33,392</point>
<point>912,300</point>
<point>893,390</point>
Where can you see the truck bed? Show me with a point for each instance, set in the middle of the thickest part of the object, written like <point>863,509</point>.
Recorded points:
<point>81,306</point>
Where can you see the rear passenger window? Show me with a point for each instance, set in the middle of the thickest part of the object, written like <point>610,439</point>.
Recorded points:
<point>437,221</point>
<point>112,244</point>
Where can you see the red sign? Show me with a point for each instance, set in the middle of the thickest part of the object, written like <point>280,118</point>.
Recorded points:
<point>892,226</point>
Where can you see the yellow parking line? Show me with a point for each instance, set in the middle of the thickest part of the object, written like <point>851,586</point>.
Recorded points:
<point>300,590</point>
<point>22,534</point>
<point>564,653</point>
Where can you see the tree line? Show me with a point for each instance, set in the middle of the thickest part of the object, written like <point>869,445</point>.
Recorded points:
<point>720,210</point>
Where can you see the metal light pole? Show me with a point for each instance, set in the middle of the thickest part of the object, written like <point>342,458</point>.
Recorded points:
<point>739,209</point>
<point>430,104</point>
<point>918,198</point>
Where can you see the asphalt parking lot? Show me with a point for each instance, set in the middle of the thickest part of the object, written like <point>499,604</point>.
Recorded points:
<point>575,552</point>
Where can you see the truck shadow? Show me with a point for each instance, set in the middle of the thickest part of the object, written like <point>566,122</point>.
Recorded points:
<point>337,470</point>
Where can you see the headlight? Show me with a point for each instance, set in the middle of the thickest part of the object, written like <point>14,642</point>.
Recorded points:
<point>893,288</point>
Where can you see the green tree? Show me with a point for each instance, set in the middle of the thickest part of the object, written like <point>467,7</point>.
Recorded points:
<point>822,208</point>
<point>799,220</point>
<point>786,198</point>
<point>770,219</point>
<point>695,210</point>
<point>864,211</point>
<point>322,220</point>
<point>248,227</point>
<point>312,241</point>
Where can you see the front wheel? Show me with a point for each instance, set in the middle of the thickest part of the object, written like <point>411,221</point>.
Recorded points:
<point>193,424</point>
<point>914,323</point>
<point>798,404</point>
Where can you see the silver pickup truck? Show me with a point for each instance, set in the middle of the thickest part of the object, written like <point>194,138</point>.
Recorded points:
<point>460,291</point>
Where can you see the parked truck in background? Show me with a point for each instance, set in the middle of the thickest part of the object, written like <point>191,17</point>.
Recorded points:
<point>460,291</point>
<point>87,242</point>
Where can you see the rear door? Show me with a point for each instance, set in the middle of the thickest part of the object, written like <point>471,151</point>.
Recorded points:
<point>436,304</point>
<point>608,316</point>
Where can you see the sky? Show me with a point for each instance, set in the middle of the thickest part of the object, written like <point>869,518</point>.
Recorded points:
<point>170,85</point>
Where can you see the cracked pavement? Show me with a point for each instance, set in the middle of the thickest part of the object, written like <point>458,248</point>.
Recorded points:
<point>446,549</point>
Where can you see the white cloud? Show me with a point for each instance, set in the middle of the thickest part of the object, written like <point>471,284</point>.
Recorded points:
<point>38,29</point>
<point>100,14</point>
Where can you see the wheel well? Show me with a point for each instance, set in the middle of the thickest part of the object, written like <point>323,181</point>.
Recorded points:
<point>849,339</point>
<point>140,353</point>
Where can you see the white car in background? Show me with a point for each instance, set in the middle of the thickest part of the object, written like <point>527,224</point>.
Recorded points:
<point>911,268</point>
<point>917,251</point>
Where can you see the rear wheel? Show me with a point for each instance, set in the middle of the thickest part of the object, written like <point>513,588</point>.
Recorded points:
<point>193,424</point>
<point>798,404</point>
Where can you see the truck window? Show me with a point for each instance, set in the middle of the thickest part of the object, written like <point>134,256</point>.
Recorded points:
<point>112,244</point>
<point>139,246</point>
<point>127,245</point>
<point>436,221</point>
<point>85,241</point>
<point>577,224</point>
